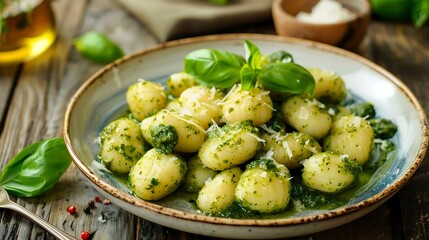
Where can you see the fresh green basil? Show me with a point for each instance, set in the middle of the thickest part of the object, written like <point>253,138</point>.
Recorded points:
<point>287,78</point>
<point>219,2</point>
<point>254,62</point>
<point>223,69</point>
<point>254,57</point>
<point>98,48</point>
<point>420,12</point>
<point>36,168</point>
<point>396,10</point>
<point>248,77</point>
<point>214,68</point>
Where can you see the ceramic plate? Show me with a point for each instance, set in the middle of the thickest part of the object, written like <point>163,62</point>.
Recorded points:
<point>102,99</point>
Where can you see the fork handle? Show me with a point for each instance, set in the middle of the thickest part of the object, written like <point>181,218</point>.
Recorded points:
<point>58,233</point>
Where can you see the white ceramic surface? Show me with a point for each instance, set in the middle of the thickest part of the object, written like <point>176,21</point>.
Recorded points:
<point>102,99</point>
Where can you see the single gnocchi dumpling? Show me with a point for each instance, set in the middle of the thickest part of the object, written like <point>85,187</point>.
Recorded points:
<point>156,175</point>
<point>330,87</point>
<point>202,103</point>
<point>307,115</point>
<point>179,82</point>
<point>290,149</point>
<point>122,145</point>
<point>218,194</point>
<point>145,98</point>
<point>264,187</point>
<point>329,172</point>
<point>351,135</point>
<point>189,131</point>
<point>241,105</point>
<point>197,175</point>
<point>230,146</point>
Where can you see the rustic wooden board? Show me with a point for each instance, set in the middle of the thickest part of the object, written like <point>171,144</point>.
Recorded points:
<point>415,213</point>
<point>7,79</point>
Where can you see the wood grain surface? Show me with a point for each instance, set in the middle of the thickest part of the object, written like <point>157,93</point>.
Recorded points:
<point>34,96</point>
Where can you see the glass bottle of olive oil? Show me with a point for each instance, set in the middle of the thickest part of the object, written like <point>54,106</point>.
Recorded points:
<point>27,29</point>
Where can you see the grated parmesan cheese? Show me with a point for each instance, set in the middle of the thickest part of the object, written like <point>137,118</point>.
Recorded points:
<point>256,137</point>
<point>326,11</point>
<point>285,144</point>
<point>268,155</point>
<point>186,120</point>
<point>267,129</point>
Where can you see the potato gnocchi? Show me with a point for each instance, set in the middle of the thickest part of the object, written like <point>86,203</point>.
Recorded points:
<point>234,147</point>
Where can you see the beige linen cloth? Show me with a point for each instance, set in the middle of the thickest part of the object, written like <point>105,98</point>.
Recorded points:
<point>173,19</point>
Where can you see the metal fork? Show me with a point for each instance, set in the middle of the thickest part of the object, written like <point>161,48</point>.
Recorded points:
<point>5,202</point>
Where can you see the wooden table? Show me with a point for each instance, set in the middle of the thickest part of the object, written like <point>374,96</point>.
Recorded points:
<point>34,95</point>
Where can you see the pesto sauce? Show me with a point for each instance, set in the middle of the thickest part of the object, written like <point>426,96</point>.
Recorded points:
<point>302,199</point>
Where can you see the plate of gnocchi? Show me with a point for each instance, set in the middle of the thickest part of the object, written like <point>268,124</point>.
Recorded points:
<point>245,135</point>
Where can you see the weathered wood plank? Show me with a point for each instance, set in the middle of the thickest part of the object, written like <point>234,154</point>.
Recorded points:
<point>367,227</point>
<point>415,210</point>
<point>7,79</point>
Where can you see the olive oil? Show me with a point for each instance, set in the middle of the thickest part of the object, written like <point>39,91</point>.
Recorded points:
<point>27,30</point>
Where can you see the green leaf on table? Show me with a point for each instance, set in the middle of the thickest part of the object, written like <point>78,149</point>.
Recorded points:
<point>98,48</point>
<point>395,10</point>
<point>287,78</point>
<point>36,168</point>
<point>420,12</point>
<point>214,68</point>
<point>219,2</point>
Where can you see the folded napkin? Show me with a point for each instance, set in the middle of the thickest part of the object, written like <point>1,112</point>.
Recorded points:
<point>172,19</point>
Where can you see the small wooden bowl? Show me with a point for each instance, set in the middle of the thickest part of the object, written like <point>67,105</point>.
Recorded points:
<point>345,34</point>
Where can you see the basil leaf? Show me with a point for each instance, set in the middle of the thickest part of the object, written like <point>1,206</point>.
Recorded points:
<point>253,56</point>
<point>420,12</point>
<point>36,168</point>
<point>395,10</point>
<point>287,78</point>
<point>219,2</point>
<point>248,78</point>
<point>214,68</point>
<point>98,48</point>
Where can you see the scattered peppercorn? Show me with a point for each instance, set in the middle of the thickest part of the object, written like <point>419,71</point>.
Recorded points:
<point>85,235</point>
<point>72,210</point>
<point>98,199</point>
<point>87,210</point>
<point>88,207</point>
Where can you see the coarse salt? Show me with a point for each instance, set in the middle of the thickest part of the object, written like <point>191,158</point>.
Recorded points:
<point>326,11</point>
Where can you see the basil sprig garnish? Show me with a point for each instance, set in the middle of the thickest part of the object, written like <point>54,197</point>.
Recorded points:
<point>222,69</point>
<point>36,168</point>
